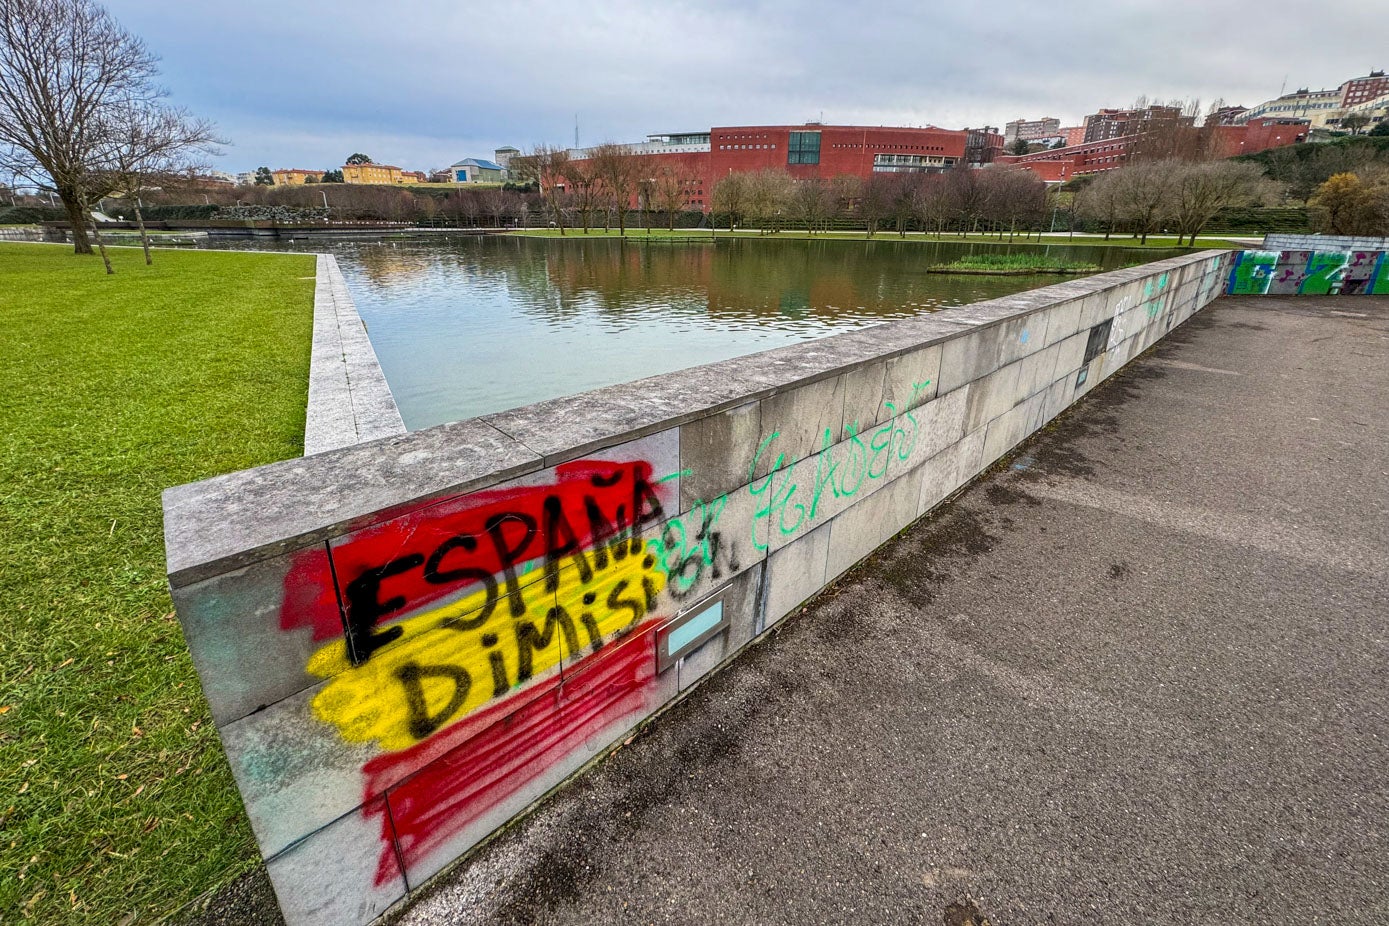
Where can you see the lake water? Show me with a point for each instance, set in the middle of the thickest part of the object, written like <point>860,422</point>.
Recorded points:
<point>470,325</point>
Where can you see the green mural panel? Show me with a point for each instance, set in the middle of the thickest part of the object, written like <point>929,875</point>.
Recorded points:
<point>1253,272</point>
<point>1324,273</point>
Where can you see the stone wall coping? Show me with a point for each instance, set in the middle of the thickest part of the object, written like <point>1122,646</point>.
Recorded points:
<point>230,521</point>
<point>349,400</point>
<point>1312,242</point>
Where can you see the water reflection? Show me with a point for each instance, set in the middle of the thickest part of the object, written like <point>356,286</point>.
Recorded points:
<point>467,326</point>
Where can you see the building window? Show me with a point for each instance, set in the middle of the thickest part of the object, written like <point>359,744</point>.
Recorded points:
<point>803,148</point>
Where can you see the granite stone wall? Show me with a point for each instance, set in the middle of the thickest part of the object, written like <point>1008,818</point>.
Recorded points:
<point>1327,271</point>
<point>407,642</point>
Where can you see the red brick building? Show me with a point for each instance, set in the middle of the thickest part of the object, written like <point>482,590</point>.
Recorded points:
<point>807,152</point>
<point>822,152</point>
<point>1061,164</point>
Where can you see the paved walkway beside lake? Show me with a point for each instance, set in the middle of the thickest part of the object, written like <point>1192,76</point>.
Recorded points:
<point>1140,675</point>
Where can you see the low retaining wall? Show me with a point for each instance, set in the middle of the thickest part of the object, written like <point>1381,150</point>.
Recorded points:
<point>407,642</point>
<point>349,401</point>
<point>1324,243</point>
<point>1299,272</point>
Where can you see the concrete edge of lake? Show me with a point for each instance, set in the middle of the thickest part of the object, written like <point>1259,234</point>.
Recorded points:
<point>349,400</point>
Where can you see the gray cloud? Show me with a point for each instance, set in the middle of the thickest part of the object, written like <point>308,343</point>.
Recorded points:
<point>423,83</point>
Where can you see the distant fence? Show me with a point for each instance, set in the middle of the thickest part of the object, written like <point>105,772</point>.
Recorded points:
<point>1300,272</point>
<point>20,234</point>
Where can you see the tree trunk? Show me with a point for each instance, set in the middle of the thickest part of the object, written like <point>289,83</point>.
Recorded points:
<point>101,246</point>
<point>77,218</point>
<point>144,235</point>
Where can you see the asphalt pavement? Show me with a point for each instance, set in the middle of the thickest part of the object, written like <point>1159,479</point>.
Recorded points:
<point>1138,674</point>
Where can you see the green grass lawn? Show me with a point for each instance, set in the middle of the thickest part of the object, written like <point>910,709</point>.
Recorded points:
<point>1122,241</point>
<point>116,805</point>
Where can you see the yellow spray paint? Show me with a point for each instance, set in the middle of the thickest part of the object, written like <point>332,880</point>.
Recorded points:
<point>452,660</point>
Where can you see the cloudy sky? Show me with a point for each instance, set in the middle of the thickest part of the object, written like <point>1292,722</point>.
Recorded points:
<point>423,83</point>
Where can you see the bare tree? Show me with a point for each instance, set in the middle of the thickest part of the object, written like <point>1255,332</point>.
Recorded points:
<point>769,194</point>
<point>668,193</point>
<point>499,204</point>
<point>968,196</point>
<point>810,203</point>
<point>1014,195</point>
<point>1144,197</point>
<point>901,199</point>
<point>1199,191</point>
<point>875,200</point>
<point>933,202</point>
<point>1099,201</point>
<point>730,196</point>
<point>148,147</point>
<point>65,66</point>
<point>546,167</point>
<point>619,171</point>
<point>583,187</point>
<point>464,207</point>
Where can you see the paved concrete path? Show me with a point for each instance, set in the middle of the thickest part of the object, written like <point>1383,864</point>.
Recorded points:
<point>1138,675</point>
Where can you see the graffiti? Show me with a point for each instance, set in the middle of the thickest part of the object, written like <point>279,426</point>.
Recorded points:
<point>508,748</point>
<point>690,546</point>
<point>840,470</point>
<point>487,539</point>
<point>443,664</point>
<point>1308,273</point>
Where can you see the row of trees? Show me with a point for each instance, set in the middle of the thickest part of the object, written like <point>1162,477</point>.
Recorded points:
<point>1174,194</point>
<point>81,114</point>
<point>1005,200</point>
<point>576,191</point>
<point>1141,199</point>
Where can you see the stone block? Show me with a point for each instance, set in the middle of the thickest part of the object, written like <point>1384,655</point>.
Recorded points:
<point>1036,371</point>
<point>912,379</point>
<point>410,542</point>
<point>295,774</point>
<point>716,452</point>
<point>1008,430</point>
<point>1070,353</point>
<point>992,396</point>
<point>863,398</point>
<point>941,475</point>
<point>1094,309</point>
<point>1114,358</point>
<point>871,523</point>
<point>345,874</point>
<point>1063,320</point>
<point>795,423</point>
<point>252,630</point>
<point>969,456</point>
<point>793,574</point>
<point>970,357</point>
<point>1058,396</point>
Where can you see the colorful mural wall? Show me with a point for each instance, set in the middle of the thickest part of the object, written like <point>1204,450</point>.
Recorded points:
<point>1309,273</point>
<point>397,667</point>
